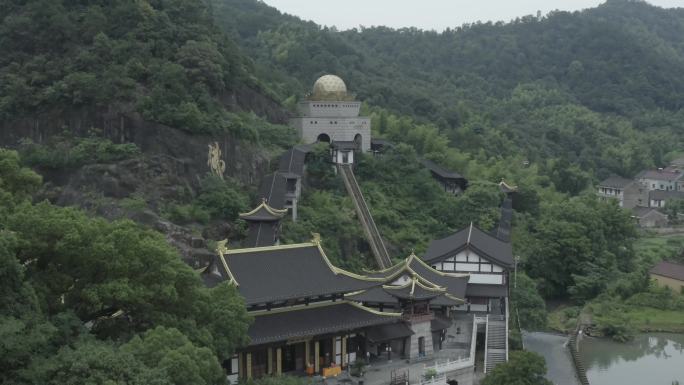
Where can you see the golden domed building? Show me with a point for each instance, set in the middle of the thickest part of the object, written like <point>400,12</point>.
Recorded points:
<point>330,114</point>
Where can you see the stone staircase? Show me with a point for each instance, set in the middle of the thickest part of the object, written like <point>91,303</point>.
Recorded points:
<point>496,342</point>
<point>369,228</point>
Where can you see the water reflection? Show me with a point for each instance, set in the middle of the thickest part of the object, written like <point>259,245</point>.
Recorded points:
<point>654,358</point>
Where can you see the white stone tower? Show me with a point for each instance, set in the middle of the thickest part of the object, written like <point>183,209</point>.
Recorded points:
<point>330,114</point>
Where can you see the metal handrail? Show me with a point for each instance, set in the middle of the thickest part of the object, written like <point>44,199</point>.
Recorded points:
<point>377,244</point>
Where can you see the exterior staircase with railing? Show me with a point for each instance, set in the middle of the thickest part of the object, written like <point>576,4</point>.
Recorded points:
<point>496,344</point>
<point>369,228</point>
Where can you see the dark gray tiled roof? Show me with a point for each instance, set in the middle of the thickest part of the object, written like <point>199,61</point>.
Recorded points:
<point>440,171</point>
<point>377,142</point>
<point>643,211</point>
<point>345,145</point>
<point>280,273</point>
<point>373,295</point>
<point>413,292</point>
<point>669,269</point>
<point>456,286</point>
<point>260,234</point>
<point>482,290</point>
<point>315,320</point>
<point>665,195</point>
<point>439,323</point>
<point>273,188</point>
<point>659,175</point>
<point>262,214</point>
<point>503,230</point>
<point>485,245</point>
<point>291,163</point>
<point>384,333</point>
<point>615,181</point>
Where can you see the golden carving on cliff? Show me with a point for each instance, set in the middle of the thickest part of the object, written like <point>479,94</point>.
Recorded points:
<point>214,161</point>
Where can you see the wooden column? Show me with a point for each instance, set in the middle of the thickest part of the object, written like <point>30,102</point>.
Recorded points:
<point>249,366</point>
<point>344,351</point>
<point>317,357</point>
<point>269,364</point>
<point>333,353</point>
<point>241,366</point>
<point>279,361</point>
<point>307,353</point>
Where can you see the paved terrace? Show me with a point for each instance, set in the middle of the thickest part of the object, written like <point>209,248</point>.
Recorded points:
<point>456,345</point>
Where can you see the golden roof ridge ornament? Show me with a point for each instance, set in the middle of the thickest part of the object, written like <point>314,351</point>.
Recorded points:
<point>221,247</point>
<point>271,210</point>
<point>316,239</point>
<point>507,186</point>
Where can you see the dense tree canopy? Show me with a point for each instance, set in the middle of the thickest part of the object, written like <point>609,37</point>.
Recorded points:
<point>85,300</point>
<point>522,368</point>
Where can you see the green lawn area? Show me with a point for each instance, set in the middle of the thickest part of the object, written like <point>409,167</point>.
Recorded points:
<point>563,319</point>
<point>650,319</point>
<point>653,248</point>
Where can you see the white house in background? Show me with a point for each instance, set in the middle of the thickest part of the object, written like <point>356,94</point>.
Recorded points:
<point>661,179</point>
<point>330,114</point>
<point>613,188</point>
<point>659,198</point>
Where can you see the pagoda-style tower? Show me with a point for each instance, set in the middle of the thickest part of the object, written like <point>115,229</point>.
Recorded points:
<point>264,225</point>
<point>414,299</point>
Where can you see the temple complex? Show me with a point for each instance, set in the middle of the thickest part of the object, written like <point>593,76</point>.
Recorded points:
<point>312,317</point>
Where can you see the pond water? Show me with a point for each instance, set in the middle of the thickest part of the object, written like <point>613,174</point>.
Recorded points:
<point>650,359</point>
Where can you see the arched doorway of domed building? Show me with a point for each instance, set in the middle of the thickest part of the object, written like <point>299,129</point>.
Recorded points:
<point>358,141</point>
<point>323,138</point>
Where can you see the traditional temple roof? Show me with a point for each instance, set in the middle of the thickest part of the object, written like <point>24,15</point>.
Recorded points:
<point>261,234</point>
<point>291,163</point>
<point>273,188</point>
<point>506,188</point>
<point>440,171</point>
<point>281,273</point>
<point>412,266</point>
<point>485,245</point>
<point>414,290</point>
<point>388,332</point>
<point>315,319</point>
<point>503,230</point>
<point>264,213</point>
<point>439,323</point>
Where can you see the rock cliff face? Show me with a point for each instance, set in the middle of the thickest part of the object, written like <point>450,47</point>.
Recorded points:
<point>171,164</point>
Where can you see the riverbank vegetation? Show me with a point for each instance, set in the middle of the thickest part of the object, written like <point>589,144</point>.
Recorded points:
<point>633,303</point>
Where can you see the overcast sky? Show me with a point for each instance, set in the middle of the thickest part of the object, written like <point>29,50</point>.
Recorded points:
<point>428,14</point>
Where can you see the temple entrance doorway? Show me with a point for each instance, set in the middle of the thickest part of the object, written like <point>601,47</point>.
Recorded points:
<point>293,358</point>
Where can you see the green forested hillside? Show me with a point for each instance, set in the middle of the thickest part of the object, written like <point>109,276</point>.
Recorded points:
<point>550,104</point>
<point>600,88</point>
<point>163,59</point>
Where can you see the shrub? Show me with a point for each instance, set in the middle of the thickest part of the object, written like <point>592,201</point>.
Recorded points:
<point>64,151</point>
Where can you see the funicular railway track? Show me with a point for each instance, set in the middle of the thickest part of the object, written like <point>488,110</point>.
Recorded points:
<point>370,229</point>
